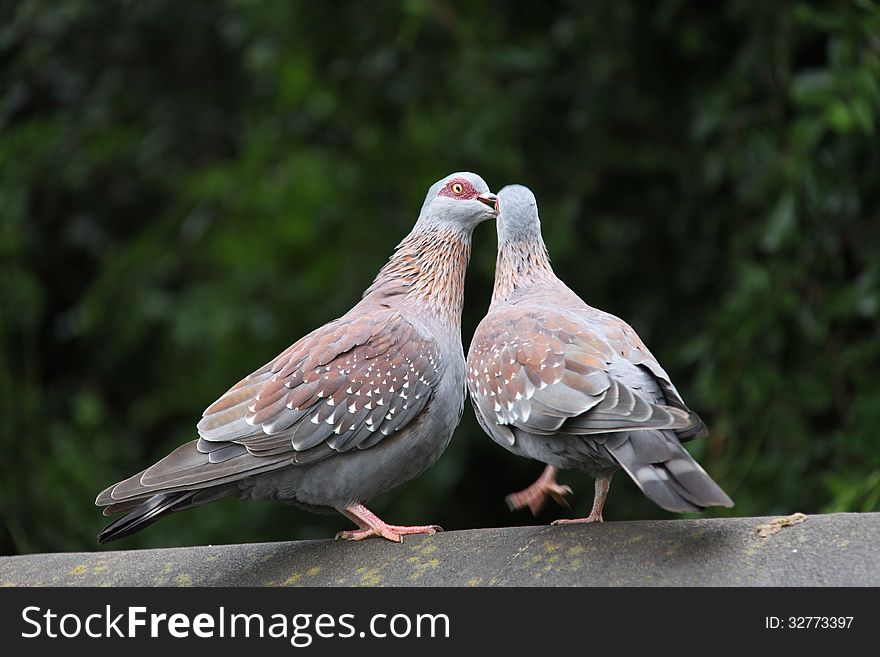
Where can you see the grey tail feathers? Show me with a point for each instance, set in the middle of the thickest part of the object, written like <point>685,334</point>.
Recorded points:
<point>143,513</point>
<point>665,472</point>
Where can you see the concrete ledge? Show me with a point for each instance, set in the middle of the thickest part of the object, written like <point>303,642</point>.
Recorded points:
<point>828,550</point>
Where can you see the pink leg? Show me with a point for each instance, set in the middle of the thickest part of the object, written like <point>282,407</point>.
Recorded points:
<point>535,496</point>
<point>372,525</point>
<point>602,484</point>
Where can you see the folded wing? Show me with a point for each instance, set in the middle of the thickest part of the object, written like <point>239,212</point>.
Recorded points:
<point>547,374</point>
<point>345,386</point>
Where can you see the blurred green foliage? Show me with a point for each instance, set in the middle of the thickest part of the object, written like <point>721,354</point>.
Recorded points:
<point>186,188</point>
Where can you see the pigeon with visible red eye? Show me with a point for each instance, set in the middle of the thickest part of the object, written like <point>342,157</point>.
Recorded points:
<point>574,387</point>
<point>351,410</point>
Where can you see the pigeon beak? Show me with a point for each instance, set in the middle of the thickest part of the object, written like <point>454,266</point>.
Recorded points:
<point>489,199</point>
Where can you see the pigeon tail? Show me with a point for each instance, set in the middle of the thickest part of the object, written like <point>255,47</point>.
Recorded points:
<point>143,513</point>
<point>666,472</point>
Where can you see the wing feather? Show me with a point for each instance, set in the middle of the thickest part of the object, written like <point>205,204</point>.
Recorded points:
<point>545,373</point>
<point>347,385</point>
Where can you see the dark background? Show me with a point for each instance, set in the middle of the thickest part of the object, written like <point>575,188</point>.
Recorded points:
<point>188,187</point>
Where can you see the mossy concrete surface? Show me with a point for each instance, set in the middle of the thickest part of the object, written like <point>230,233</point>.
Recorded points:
<point>841,549</point>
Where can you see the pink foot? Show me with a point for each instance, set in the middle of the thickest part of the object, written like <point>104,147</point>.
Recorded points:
<point>371,525</point>
<point>597,517</point>
<point>391,532</point>
<point>536,495</point>
<point>602,484</point>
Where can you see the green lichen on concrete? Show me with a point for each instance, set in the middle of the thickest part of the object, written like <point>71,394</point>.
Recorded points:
<point>673,549</point>
<point>297,578</point>
<point>369,576</point>
<point>422,566</point>
<point>183,580</point>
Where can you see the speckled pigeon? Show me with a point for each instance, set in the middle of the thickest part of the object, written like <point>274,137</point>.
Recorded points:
<point>574,387</point>
<point>356,407</point>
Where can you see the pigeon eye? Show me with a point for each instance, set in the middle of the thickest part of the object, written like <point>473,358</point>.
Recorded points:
<point>457,189</point>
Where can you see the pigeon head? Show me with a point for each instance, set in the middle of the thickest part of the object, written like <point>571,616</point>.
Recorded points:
<point>462,199</point>
<point>518,220</point>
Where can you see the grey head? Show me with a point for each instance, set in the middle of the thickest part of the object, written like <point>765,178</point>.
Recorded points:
<point>461,199</point>
<point>518,218</point>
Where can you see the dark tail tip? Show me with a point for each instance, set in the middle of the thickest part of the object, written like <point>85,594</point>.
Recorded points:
<point>144,515</point>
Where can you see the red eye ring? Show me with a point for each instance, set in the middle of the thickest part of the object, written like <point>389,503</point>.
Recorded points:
<point>459,189</point>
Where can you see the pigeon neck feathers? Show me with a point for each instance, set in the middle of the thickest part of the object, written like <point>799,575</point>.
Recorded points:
<point>427,270</point>
<point>521,263</point>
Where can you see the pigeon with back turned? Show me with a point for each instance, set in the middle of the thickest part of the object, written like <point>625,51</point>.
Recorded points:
<point>356,407</point>
<point>558,381</point>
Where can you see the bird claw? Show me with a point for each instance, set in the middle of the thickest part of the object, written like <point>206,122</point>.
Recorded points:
<point>593,517</point>
<point>393,533</point>
<point>558,494</point>
<point>361,534</point>
<point>535,496</point>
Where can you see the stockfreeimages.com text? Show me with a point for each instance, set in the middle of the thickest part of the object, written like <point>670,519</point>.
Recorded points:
<point>299,629</point>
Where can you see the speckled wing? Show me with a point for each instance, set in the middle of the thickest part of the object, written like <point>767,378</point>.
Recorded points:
<point>345,386</point>
<point>623,340</point>
<point>547,373</point>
